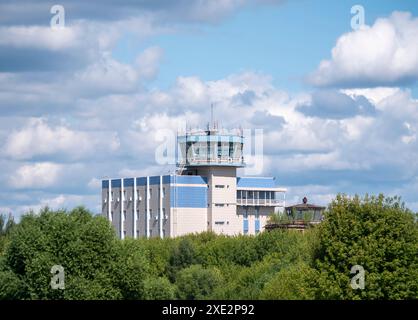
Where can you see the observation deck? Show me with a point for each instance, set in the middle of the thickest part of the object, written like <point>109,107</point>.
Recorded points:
<point>211,147</point>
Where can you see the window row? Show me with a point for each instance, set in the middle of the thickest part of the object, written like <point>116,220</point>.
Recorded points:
<point>138,214</point>
<point>138,195</point>
<point>251,195</point>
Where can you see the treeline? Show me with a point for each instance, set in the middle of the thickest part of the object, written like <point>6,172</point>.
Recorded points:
<point>377,233</point>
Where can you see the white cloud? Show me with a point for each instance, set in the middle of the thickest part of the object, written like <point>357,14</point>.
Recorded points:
<point>320,151</point>
<point>94,184</point>
<point>60,201</point>
<point>383,54</point>
<point>148,62</point>
<point>38,138</point>
<point>105,76</point>
<point>40,37</point>
<point>375,95</point>
<point>38,175</point>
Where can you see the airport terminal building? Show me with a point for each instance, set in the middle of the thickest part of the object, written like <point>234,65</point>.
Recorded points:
<point>204,194</point>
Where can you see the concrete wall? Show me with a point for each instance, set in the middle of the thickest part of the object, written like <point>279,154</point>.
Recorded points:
<point>130,217</point>
<point>201,204</point>
<point>188,220</point>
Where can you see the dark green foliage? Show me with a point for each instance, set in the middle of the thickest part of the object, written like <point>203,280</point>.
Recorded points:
<point>182,256</point>
<point>11,287</point>
<point>196,282</point>
<point>379,234</point>
<point>290,283</point>
<point>130,269</point>
<point>159,289</point>
<point>84,245</point>
<point>376,232</point>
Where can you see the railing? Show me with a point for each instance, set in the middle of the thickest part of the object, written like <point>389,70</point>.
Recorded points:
<point>260,202</point>
<point>212,161</point>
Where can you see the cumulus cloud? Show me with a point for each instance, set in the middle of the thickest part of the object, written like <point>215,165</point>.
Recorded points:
<point>333,104</point>
<point>265,120</point>
<point>385,54</point>
<point>38,139</point>
<point>208,11</point>
<point>340,150</point>
<point>28,43</point>
<point>38,175</point>
<point>39,37</point>
<point>148,62</point>
<point>37,48</point>
<point>105,76</point>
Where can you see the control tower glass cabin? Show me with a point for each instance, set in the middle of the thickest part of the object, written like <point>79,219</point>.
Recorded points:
<point>210,148</point>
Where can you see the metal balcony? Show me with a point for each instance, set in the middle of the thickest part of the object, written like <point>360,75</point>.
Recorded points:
<point>260,202</point>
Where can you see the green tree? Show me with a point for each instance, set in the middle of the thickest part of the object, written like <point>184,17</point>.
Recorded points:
<point>159,289</point>
<point>11,286</point>
<point>130,269</point>
<point>83,244</point>
<point>158,252</point>
<point>377,233</point>
<point>181,257</point>
<point>100,288</point>
<point>196,282</point>
<point>291,283</point>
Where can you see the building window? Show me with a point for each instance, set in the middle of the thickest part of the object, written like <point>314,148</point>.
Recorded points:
<point>219,186</point>
<point>111,196</point>
<point>150,193</point>
<point>124,214</point>
<point>257,226</point>
<point>246,213</point>
<point>257,212</point>
<point>219,204</point>
<point>245,226</point>
<point>124,194</point>
<point>150,213</point>
<point>138,197</point>
<point>137,214</point>
<point>163,193</point>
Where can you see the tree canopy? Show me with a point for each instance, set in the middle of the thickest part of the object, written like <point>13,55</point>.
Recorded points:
<point>378,234</point>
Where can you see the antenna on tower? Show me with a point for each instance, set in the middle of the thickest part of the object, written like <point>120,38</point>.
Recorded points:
<point>211,116</point>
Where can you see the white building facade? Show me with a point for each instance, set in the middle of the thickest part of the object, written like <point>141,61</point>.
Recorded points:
<point>205,194</point>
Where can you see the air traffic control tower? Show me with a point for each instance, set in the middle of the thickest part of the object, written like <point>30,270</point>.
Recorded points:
<point>204,194</point>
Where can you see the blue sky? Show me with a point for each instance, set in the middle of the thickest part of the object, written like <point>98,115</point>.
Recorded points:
<point>268,39</point>
<point>338,106</point>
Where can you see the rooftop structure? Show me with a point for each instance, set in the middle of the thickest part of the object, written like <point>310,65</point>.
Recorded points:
<point>299,216</point>
<point>204,194</point>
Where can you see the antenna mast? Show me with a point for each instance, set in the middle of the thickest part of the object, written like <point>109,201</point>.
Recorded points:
<point>211,116</point>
